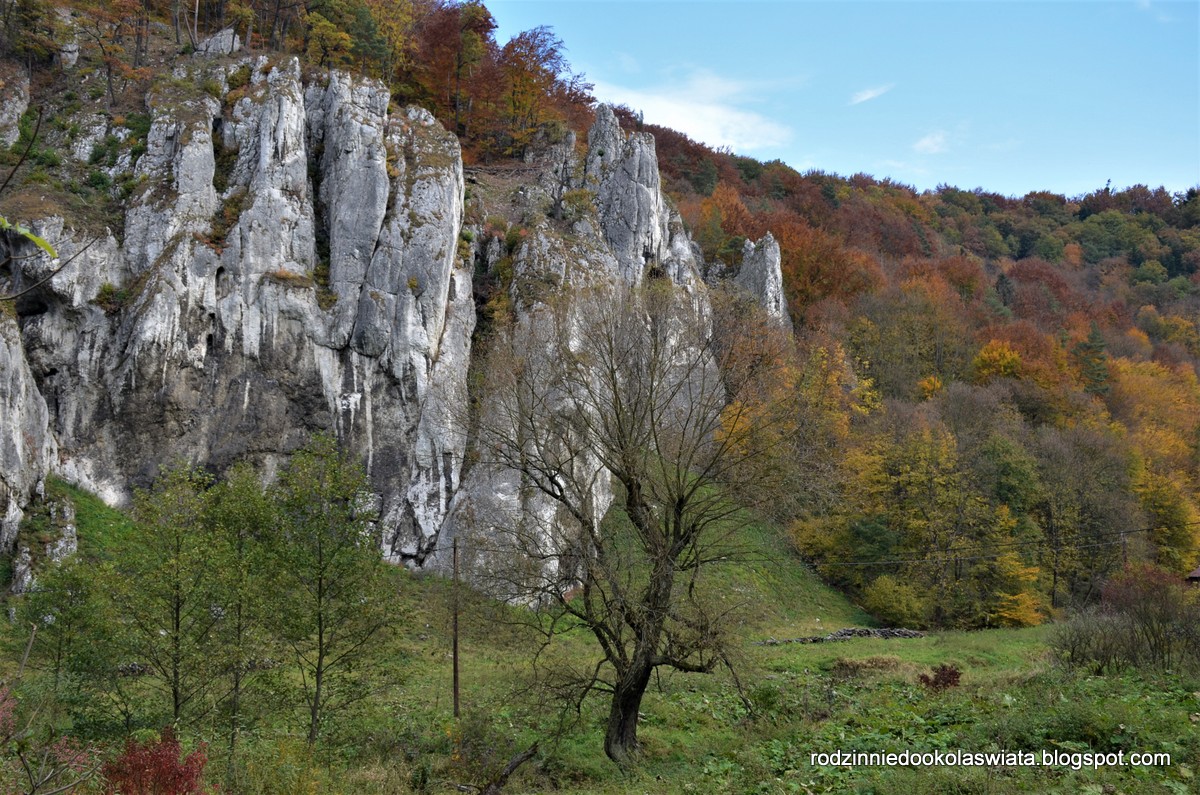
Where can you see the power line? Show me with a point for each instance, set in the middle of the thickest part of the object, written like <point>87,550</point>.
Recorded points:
<point>1120,537</point>
<point>947,557</point>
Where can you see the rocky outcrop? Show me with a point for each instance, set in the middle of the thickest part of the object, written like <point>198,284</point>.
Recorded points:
<point>632,235</point>
<point>14,88</point>
<point>762,278</point>
<point>290,265</point>
<point>293,260</point>
<point>635,221</point>
<point>26,446</point>
<point>59,520</point>
<point>68,44</point>
<point>223,42</point>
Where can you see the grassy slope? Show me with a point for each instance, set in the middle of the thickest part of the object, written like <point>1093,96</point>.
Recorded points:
<point>861,693</point>
<point>101,529</point>
<point>698,734</point>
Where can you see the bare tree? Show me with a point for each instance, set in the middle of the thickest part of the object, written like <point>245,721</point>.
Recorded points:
<point>639,422</point>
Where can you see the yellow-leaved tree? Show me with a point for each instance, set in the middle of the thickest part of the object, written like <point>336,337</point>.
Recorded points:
<point>997,359</point>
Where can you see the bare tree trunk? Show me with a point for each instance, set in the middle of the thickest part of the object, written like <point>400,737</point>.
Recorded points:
<point>620,736</point>
<point>273,41</point>
<point>176,662</point>
<point>644,392</point>
<point>188,28</point>
<point>108,76</point>
<point>314,723</point>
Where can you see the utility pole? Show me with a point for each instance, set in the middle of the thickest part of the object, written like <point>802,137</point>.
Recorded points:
<point>454,547</point>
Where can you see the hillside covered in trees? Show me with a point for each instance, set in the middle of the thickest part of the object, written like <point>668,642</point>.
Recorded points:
<point>1020,374</point>
<point>1011,380</point>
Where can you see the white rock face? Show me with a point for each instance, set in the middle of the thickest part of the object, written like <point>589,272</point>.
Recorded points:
<point>638,236</point>
<point>223,42</point>
<point>26,446</point>
<point>92,131</point>
<point>294,261</point>
<point>68,48</point>
<point>634,217</point>
<point>14,101</point>
<point>761,277</point>
<point>68,54</point>
<point>320,288</point>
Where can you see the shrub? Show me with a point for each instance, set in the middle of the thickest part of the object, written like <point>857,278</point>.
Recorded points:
<point>211,87</point>
<point>944,677</point>
<point>1161,611</point>
<point>226,218</point>
<point>106,151</point>
<point>99,180</point>
<point>33,755</point>
<point>1091,640</point>
<point>895,603</point>
<point>239,77</point>
<point>1147,617</point>
<point>578,203</point>
<point>495,226</point>
<point>155,768</point>
<point>138,125</point>
<point>110,298</point>
<point>514,238</point>
<point>46,157</point>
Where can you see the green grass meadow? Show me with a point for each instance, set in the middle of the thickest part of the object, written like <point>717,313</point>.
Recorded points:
<point>702,733</point>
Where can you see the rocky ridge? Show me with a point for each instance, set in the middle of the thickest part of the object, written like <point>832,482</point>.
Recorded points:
<point>297,257</point>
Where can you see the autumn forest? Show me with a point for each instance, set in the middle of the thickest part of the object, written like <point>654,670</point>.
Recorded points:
<point>1007,385</point>
<point>997,397</point>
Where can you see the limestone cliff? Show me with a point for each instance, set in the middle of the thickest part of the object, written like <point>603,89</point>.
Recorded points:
<point>316,284</point>
<point>761,277</point>
<point>297,256</point>
<point>26,446</point>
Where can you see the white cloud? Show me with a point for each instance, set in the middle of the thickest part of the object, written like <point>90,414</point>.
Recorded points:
<point>706,107</point>
<point>871,93</point>
<point>628,63</point>
<point>1158,15</point>
<point>903,167</point>
<point>932,144</point>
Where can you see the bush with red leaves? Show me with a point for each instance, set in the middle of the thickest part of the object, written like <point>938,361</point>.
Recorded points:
<point>154,768</point>
<point>944,677</point>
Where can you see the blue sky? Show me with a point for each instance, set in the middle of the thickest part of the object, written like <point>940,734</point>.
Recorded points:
<point>1005,95</point>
